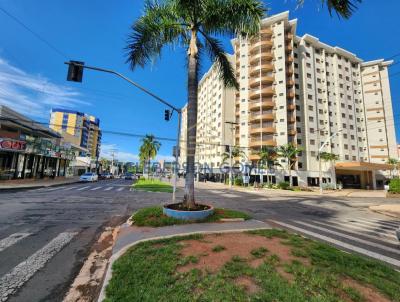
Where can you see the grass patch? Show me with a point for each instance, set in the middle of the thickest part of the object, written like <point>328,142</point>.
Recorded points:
<point>152,185</point>
<point>148,272</point>
<point>218,248</point>
<point>154,217</point>
<point>259,252</point>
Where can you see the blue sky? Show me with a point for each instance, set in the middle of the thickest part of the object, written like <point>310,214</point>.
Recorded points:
<point>32,75</point>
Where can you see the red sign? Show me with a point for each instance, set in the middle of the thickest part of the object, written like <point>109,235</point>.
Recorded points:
<point>10,144</point>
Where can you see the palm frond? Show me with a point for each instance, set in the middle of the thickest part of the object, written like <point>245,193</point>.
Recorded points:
<point>232,17</point>
<point>343,8</point>
<point>158,26</point>
<point>217,55</point>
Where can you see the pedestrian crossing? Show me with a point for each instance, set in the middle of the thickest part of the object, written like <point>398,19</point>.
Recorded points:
<point>15,278</point>
<point>368,236</point>
<point>103,187</point>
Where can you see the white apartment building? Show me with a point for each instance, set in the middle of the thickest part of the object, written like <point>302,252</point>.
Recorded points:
<point>299,90</point>
<point>216,106</point>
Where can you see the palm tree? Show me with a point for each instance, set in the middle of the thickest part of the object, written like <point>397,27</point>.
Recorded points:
<point>343,8</point>
<point>330,157</point>
<point>193,23</point>
<point>148,150</point>
<point>268,157</point>
<point>394,163</point>
<point>105,163</point>
<point>289,152</point>
<point>236,152</point>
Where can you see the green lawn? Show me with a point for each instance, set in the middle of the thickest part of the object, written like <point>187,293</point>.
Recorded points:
<point>154,217</point>
<point>152,185</point>
<point>150,271</point>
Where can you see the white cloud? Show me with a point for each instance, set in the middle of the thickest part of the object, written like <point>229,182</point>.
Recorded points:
<point>108,149</point>
<point>34,95</point>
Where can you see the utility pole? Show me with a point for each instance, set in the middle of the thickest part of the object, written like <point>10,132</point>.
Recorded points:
<point>232,128</point>
<point>327,141</point>
<point>75,74</point>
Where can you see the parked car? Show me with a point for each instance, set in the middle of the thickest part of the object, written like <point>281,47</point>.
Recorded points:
<point>129,176</point>
<point>89,176</point>
<point>106,175</point>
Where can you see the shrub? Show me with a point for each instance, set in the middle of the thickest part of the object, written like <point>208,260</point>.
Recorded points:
<point>284,185</point>
<point>394,185</point>
<point>238,181</point>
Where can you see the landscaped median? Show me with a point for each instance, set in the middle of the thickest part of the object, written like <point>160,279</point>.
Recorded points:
<point>261,265</point>
<point>152,185</point>
<point>154,217</point>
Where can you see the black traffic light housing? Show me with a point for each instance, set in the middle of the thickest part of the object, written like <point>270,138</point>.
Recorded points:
<point>167,114</point>
<point>75,71</point>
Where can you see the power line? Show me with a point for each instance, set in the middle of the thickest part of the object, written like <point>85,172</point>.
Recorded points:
<point>58,51</point>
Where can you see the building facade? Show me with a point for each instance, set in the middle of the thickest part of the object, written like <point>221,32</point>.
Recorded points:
<point>79,129</point>
<point>29,150</point>
<point>298,90</point>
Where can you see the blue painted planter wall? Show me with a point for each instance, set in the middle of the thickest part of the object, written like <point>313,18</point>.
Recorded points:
<point>188,215</point>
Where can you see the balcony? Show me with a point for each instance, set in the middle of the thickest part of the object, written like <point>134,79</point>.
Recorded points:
<point>254,156</point>
<point>260,143</point>
<point>290,83</point>
<point>289,60</point>
<point>289,36</point>
<point>264,56</point>
<point>291,120</point>
<point>264,116</point>
<point>290,94</point>
<point>265,45</point>
<point>289,71</point>
<point>264,67</point>
<point>264,104</point>
<point>260,130</point>
<point>289,48</point>
<point>291,107</point>
<point>255,82</point>
<point>264,92</point>
<point>266,31</point>
<point>292,132</point>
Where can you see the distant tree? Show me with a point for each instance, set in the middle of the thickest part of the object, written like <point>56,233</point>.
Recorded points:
<point>268,157</point>
<point>332,158</point>
<point>105,163</point>
<point>236,152</point>
<point>394,163</point>
<point>289,152</point>
<point>149,149</point>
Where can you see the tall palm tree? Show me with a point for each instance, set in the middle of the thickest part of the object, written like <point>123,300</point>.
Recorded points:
<point>236,152</point>
<point>149,148</point>
<point>289,152</point>
<point>343,8</point>
<point>193,24</point>
<point>332,158</point>
<point>267,157</point>
<point>394,163</point>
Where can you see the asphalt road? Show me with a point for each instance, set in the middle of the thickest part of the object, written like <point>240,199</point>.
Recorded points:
<point>45,234</point>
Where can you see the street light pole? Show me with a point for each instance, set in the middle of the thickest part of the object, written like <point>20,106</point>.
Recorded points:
<point>78,78</point>
<point>230,153</point>
<point>319,157</point>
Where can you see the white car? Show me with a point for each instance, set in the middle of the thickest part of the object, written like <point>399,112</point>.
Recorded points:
<point>89,176</point>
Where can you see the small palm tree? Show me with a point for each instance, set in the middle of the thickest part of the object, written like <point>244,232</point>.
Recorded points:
<point>332,158</point>
<point>394,163</point>
<point>236,152</point>
<point>192,24</point>
<point>289,152</point>
<point>267,157</point>
<point>148,150</point>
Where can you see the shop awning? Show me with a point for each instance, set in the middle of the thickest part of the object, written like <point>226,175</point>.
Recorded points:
<point>362,166</point>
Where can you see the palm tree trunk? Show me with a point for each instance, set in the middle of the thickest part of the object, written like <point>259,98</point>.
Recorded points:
<point>290,174</point>
<point>188,198</point>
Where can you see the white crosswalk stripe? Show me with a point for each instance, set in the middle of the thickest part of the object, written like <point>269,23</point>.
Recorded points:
<point>12,239</point>
<point>10,282</point>
<point>120,189</point>
<point>83,188</point>
<point>69,188</point>
<point>108,189</point>
<point>95,188</point>
<point>339,243</point>
<point>378,222</point>
<point>372,228</point>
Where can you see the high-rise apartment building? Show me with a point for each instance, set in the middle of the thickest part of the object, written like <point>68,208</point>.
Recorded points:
<point>78,128</point>
<point>298,90</point>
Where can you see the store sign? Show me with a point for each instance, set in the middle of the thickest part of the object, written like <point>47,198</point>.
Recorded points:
<point>10,144</point>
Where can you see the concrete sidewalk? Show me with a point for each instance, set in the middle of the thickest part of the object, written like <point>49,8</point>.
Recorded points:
<point>392,210</point>
<point>131,235</point>
<point>10,185</point>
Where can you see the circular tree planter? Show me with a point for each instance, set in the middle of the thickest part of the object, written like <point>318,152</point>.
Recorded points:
<point>176,210</point>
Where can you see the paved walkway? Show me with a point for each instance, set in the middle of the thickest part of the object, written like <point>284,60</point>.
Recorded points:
<point>37,183</point>
<point>129,236</point>
<point>387,209</point>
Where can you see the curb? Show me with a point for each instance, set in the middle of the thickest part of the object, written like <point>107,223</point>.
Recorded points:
<point>36,187</point>
<point>114,257</point>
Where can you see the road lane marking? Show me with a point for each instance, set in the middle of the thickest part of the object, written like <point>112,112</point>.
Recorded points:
<point>12,239</point>
<point>69,188</point>
<point>108,189</point>
<point>341,244</point>
<point>381,235</point>
<point>374,228</point>
<point>380,223</point>
<point>377,245</point>
<point>83,188</point>
<point>120,189</point>
<point>53,189</point>
<point>95,188</point>
<point>20,274</point>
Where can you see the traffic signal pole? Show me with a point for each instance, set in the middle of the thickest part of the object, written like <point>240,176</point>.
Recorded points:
<point>78,78</point>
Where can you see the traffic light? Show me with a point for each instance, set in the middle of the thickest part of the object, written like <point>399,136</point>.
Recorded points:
<point>75,71</point>
<point>167,115</point>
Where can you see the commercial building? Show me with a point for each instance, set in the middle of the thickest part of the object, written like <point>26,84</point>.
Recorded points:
<point>296,89</point>
<point>79,129</point>
<point>30,150</point>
